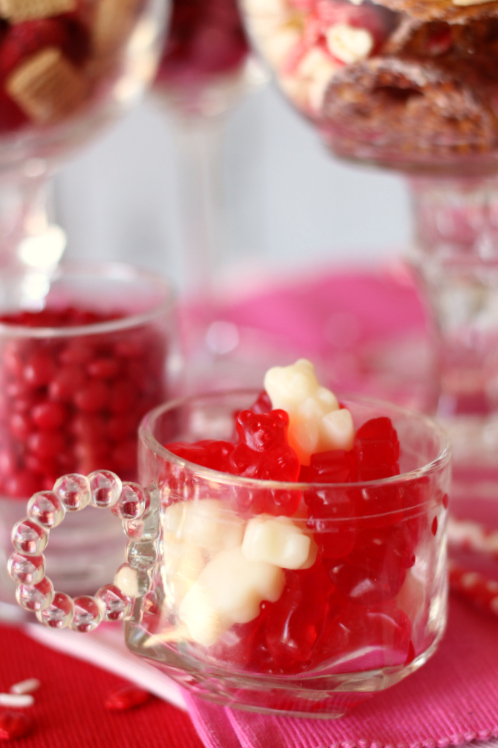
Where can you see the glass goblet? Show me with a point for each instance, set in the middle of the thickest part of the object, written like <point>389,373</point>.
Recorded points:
<point>412,87</point>
<point>205,72</point>
<point>67,69</point>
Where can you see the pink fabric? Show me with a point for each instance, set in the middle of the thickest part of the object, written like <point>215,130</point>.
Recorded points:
<point>311,314</point>
<point>451,700</point>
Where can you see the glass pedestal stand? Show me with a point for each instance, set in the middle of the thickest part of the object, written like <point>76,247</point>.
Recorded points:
<point>31,245</point>
<point>455,256</point>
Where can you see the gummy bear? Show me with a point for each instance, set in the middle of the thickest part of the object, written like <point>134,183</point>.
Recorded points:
<point>210,453</point>
<point>376,450</point>
<point>264,453</point>
<point>298,617</point>
<point>244,644</point>
<point>380,634</point>
<point>375,456</point>
<point>376,568</point>
<point>332,511</point>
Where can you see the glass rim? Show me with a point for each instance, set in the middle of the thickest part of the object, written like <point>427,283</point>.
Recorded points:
<point>440,461</point>
<point>119,271</point>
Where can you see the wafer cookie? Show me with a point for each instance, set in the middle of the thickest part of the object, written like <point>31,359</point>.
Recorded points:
<point>18,11</point>
<point>47,87</point>
<point>114,21</point>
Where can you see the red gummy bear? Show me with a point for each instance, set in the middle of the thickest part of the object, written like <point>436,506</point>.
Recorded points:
<point>208,453</point>
<point>296,620</point>
<point>379,634</point>
<point>376,450</point>
<point>264,453</point>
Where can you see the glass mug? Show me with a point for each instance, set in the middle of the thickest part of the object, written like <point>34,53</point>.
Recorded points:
<point>304,615</point>
<point>84,355</point>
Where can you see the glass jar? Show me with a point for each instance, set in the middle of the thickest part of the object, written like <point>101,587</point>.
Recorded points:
<point>81,361</point>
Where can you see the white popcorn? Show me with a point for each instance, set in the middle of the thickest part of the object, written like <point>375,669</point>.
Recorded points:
<point>229,590</point>
<point>316,423</point>
<point>348,43</point>
<point>277,540</point>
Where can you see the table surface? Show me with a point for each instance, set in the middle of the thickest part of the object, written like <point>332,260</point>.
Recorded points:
<point>69,708</point>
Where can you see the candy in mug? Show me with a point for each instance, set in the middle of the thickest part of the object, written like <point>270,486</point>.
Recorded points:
<point>286,548</point>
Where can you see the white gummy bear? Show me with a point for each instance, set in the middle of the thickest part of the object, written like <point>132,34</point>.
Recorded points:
<point>316,422</point>
<point>277,540</point>
<point>229,590</point>
<point>205,523</point>
<point>181,566</point>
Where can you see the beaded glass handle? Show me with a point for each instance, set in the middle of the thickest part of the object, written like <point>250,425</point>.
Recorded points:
<point>138,509</point>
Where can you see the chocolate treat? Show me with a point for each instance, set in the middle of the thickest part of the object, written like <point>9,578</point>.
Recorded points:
<point>436,97</point>
<point>453,11</point>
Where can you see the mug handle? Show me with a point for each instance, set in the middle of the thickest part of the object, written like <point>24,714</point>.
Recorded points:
<point>138,509</point>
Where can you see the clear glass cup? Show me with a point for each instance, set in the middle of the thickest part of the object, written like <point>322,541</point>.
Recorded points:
<point>81,361</point>
<point>287,598</point>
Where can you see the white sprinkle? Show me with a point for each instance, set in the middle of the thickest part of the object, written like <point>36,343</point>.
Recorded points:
<point>25,686</point>
<point>16,700</point>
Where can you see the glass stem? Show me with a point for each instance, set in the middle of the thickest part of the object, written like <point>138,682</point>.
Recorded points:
<point>201,203</point>
<point>30,244</point>
<point>455,255</point>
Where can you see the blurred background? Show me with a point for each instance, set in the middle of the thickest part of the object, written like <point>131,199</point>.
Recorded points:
<point>290,205</point>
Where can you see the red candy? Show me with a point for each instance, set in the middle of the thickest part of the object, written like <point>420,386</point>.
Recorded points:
<point>206,38</point>
<point>126,697</point>
<point>208,453</point>
<point>74,403</point>
<point>376,450</point>
<point>264,453</point>
<point>295,622</point>
<point>14,724</point>
<point>345,604</point>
